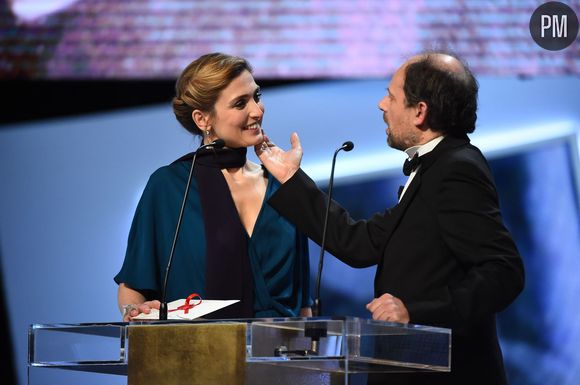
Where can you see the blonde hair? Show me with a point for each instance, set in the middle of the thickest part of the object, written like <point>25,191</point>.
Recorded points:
<point>200,84</point>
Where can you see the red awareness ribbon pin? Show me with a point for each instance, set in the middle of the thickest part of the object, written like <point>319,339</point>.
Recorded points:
<point>196,298</point>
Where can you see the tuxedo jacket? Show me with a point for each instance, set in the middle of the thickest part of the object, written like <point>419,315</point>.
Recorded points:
<point>443,250</point>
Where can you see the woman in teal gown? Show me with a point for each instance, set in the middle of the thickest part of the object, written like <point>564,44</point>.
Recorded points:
<point>232,244</point>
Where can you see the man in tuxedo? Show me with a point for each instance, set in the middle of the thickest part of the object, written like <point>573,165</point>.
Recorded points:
<point>443,254</point>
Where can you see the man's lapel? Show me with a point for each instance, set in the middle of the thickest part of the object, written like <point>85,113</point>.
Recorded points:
<point>397,212</point>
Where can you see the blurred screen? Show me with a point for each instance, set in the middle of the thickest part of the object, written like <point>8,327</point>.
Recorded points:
<point>84,39</point>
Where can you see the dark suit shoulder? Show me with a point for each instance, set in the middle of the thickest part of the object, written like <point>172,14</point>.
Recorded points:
<point>461,172</point>
<point>466,160</point>
<point>468,154</point>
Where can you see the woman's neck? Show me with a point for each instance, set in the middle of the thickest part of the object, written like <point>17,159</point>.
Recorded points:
<point>249,169</point>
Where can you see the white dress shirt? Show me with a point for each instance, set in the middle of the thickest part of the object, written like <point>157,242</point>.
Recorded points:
<point>420,150</point>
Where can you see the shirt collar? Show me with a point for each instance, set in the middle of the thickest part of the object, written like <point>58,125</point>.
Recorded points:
<point>424,148</point>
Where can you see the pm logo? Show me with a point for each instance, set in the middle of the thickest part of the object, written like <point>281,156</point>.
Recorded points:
<point>554,26</point>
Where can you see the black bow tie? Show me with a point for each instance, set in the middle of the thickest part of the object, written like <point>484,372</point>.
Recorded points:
<point>411,165</point>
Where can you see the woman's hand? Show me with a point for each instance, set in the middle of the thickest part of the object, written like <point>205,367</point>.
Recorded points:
<point>133,310</point>
<point>281,164</point>
<point>132,303</point>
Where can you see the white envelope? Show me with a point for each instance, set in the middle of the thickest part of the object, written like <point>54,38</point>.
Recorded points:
<point>205,307</point>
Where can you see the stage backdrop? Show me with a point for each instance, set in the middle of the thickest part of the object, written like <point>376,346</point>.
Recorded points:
<point>69,188</point>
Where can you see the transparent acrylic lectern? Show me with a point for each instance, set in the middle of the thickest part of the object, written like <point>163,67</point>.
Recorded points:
<point>246,351</point>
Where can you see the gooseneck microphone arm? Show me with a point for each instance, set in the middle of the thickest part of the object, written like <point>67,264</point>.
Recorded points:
<point>217,144</point>
<point>317,309</point>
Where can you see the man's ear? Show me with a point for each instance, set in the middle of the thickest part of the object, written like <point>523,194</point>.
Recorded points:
<point>201,119</point>
<point>421,111</point>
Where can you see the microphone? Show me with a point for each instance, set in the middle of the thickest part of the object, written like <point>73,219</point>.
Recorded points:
<point>317,310</point>
<point>216,144</point>
<point>317,330</point>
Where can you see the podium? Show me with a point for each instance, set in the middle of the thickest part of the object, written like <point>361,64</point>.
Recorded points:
<point>241,351</point>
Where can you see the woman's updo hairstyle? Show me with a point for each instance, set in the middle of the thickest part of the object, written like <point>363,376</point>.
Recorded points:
<point>200,84</point>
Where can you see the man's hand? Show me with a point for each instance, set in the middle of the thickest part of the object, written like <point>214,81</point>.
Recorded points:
<point>388,308</point>
<point>282,165</point>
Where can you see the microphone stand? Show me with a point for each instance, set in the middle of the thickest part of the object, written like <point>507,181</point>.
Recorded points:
<point>316,330</point>
<point>317,310</point>
<point>217,144</point>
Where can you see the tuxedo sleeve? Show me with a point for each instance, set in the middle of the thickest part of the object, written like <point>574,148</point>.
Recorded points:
<point>466,208</point>
<point>356,243</point>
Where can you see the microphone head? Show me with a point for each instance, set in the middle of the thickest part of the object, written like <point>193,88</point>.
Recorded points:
<point>218,143</point>
<point>347,146</point>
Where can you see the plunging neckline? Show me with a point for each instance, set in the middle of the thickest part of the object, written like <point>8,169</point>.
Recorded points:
<point>266,175</point>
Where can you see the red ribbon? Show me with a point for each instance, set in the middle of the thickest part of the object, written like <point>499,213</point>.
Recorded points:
<point>196,298</point>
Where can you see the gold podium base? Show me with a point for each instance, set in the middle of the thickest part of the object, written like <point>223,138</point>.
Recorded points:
<point>199,354</point>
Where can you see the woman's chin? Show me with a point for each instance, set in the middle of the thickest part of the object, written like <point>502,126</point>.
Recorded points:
<point>246,142</point>
<point>254,140</point>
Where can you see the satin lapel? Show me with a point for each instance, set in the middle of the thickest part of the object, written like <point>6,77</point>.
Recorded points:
<point>398,211</point>
<point>396,214</point>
